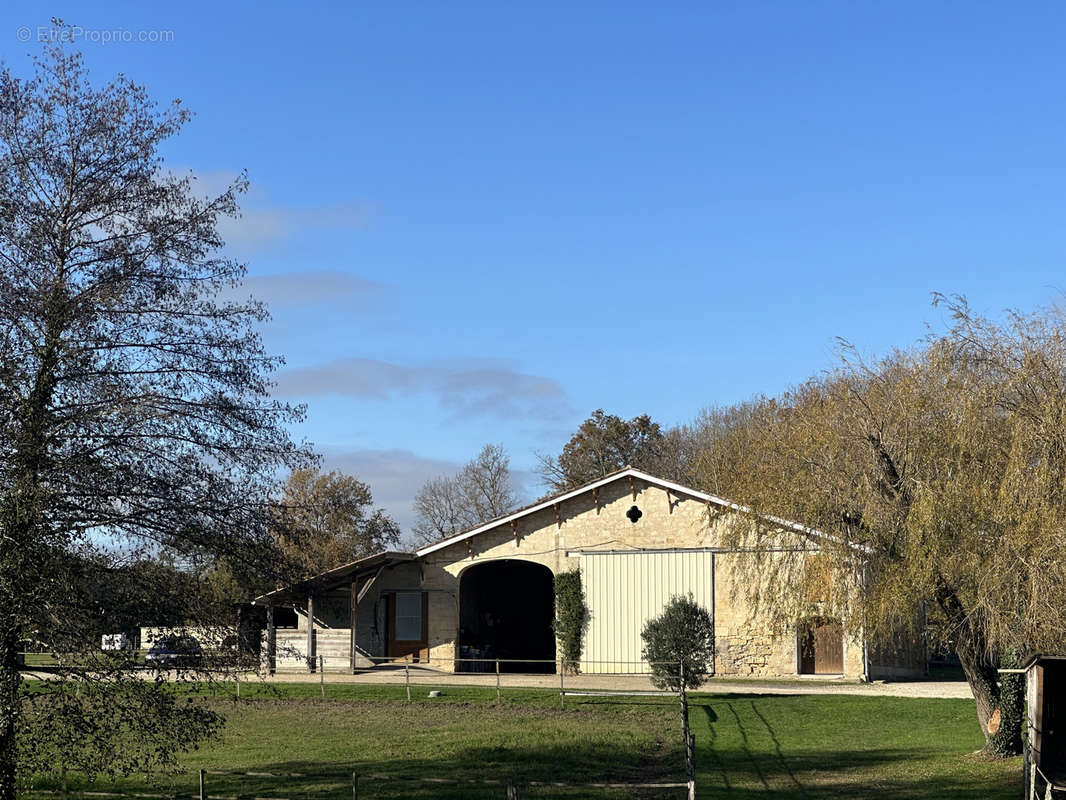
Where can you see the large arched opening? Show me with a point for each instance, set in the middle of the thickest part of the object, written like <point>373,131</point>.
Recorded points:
<point>506,609</point>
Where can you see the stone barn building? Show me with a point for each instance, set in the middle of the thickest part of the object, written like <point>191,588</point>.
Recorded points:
<point>487,593</point>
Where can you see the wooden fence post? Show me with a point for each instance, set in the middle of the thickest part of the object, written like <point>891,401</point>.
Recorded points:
<point>692,767</point>
<point>497,681</point>
<point>203,793</point>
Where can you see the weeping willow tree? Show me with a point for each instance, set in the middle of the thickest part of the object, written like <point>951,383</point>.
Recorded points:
<point>937,478</point>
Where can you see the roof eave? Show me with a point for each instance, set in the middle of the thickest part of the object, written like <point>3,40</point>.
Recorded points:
<point>352,568</point>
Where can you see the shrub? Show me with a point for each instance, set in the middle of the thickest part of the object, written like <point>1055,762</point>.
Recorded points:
<point>571,618</point>
<point>682,634</point>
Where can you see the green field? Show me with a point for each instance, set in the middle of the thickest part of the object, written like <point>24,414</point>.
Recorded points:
<point>750,746</point>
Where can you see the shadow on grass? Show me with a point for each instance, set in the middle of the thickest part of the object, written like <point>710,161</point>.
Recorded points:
<point>736,773</point>
<point>741,756</point>
<point>751,746</point>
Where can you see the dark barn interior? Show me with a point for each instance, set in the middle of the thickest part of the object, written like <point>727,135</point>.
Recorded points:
<point>1053,721</point>
<point>506,610</point>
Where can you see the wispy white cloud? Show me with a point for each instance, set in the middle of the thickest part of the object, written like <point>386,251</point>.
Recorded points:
<point>313,287</point>
<point>466,390</point>
<point>264,222</point>
<point>394,476</point>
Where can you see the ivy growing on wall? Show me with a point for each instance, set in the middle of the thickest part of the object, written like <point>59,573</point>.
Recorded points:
<point>571,618</point>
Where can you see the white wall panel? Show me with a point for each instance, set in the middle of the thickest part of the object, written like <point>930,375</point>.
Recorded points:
<point>625,590</point>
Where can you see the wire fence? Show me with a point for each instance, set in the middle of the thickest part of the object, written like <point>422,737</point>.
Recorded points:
<point>417,678</point>
<point>409,680</point>
<point>366,783</point>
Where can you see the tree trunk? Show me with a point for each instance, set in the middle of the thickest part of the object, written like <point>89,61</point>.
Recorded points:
<point>689,765</point>
<point>999,702</point>
<point>981,668</point>
<point>9,707</point>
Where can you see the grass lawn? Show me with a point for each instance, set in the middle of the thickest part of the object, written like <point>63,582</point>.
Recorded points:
<point>782,746</point>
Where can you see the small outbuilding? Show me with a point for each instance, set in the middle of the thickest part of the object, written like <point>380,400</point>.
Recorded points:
<point>1045,746</point>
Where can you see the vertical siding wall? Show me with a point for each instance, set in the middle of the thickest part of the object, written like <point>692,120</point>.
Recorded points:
<point>625,590</point>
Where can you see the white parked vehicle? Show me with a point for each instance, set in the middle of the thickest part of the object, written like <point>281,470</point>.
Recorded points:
<point>115,641</point>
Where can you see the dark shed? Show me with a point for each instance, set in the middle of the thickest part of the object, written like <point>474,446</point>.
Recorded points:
<point>1045,746</point>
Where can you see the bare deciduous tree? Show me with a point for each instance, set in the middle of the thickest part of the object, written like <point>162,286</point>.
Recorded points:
<point>480,491</point>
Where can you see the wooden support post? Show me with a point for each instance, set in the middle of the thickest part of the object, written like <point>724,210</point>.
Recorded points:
<point>669,503</point>
<point>353,624</point>
<point>497,681</point>
<point>310,632</point>
<point>272,641</point>
<point>203,791</point>
<point>514,530</point>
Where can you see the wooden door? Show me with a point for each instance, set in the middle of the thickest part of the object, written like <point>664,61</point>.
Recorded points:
<point>822,648</point>
<point>408,624</point>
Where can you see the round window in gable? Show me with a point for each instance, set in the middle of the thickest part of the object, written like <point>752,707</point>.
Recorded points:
<point>634,514</point>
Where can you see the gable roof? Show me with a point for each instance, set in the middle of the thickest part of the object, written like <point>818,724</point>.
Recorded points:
<point>626,472</point>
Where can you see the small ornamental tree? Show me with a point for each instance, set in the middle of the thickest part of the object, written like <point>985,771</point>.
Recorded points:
<point>571,618</point>
<point>679,645</point>
<point>679,648</point>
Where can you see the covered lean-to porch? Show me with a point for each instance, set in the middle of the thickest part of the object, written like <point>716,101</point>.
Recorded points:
<point>350,617</point>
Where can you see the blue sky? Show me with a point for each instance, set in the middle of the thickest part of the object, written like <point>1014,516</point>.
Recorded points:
<point>479,223</point>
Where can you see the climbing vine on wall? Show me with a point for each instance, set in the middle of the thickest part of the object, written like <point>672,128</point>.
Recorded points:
<point>571,618</point>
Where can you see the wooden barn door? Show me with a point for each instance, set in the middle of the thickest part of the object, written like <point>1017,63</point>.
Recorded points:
<point>821,648</point>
